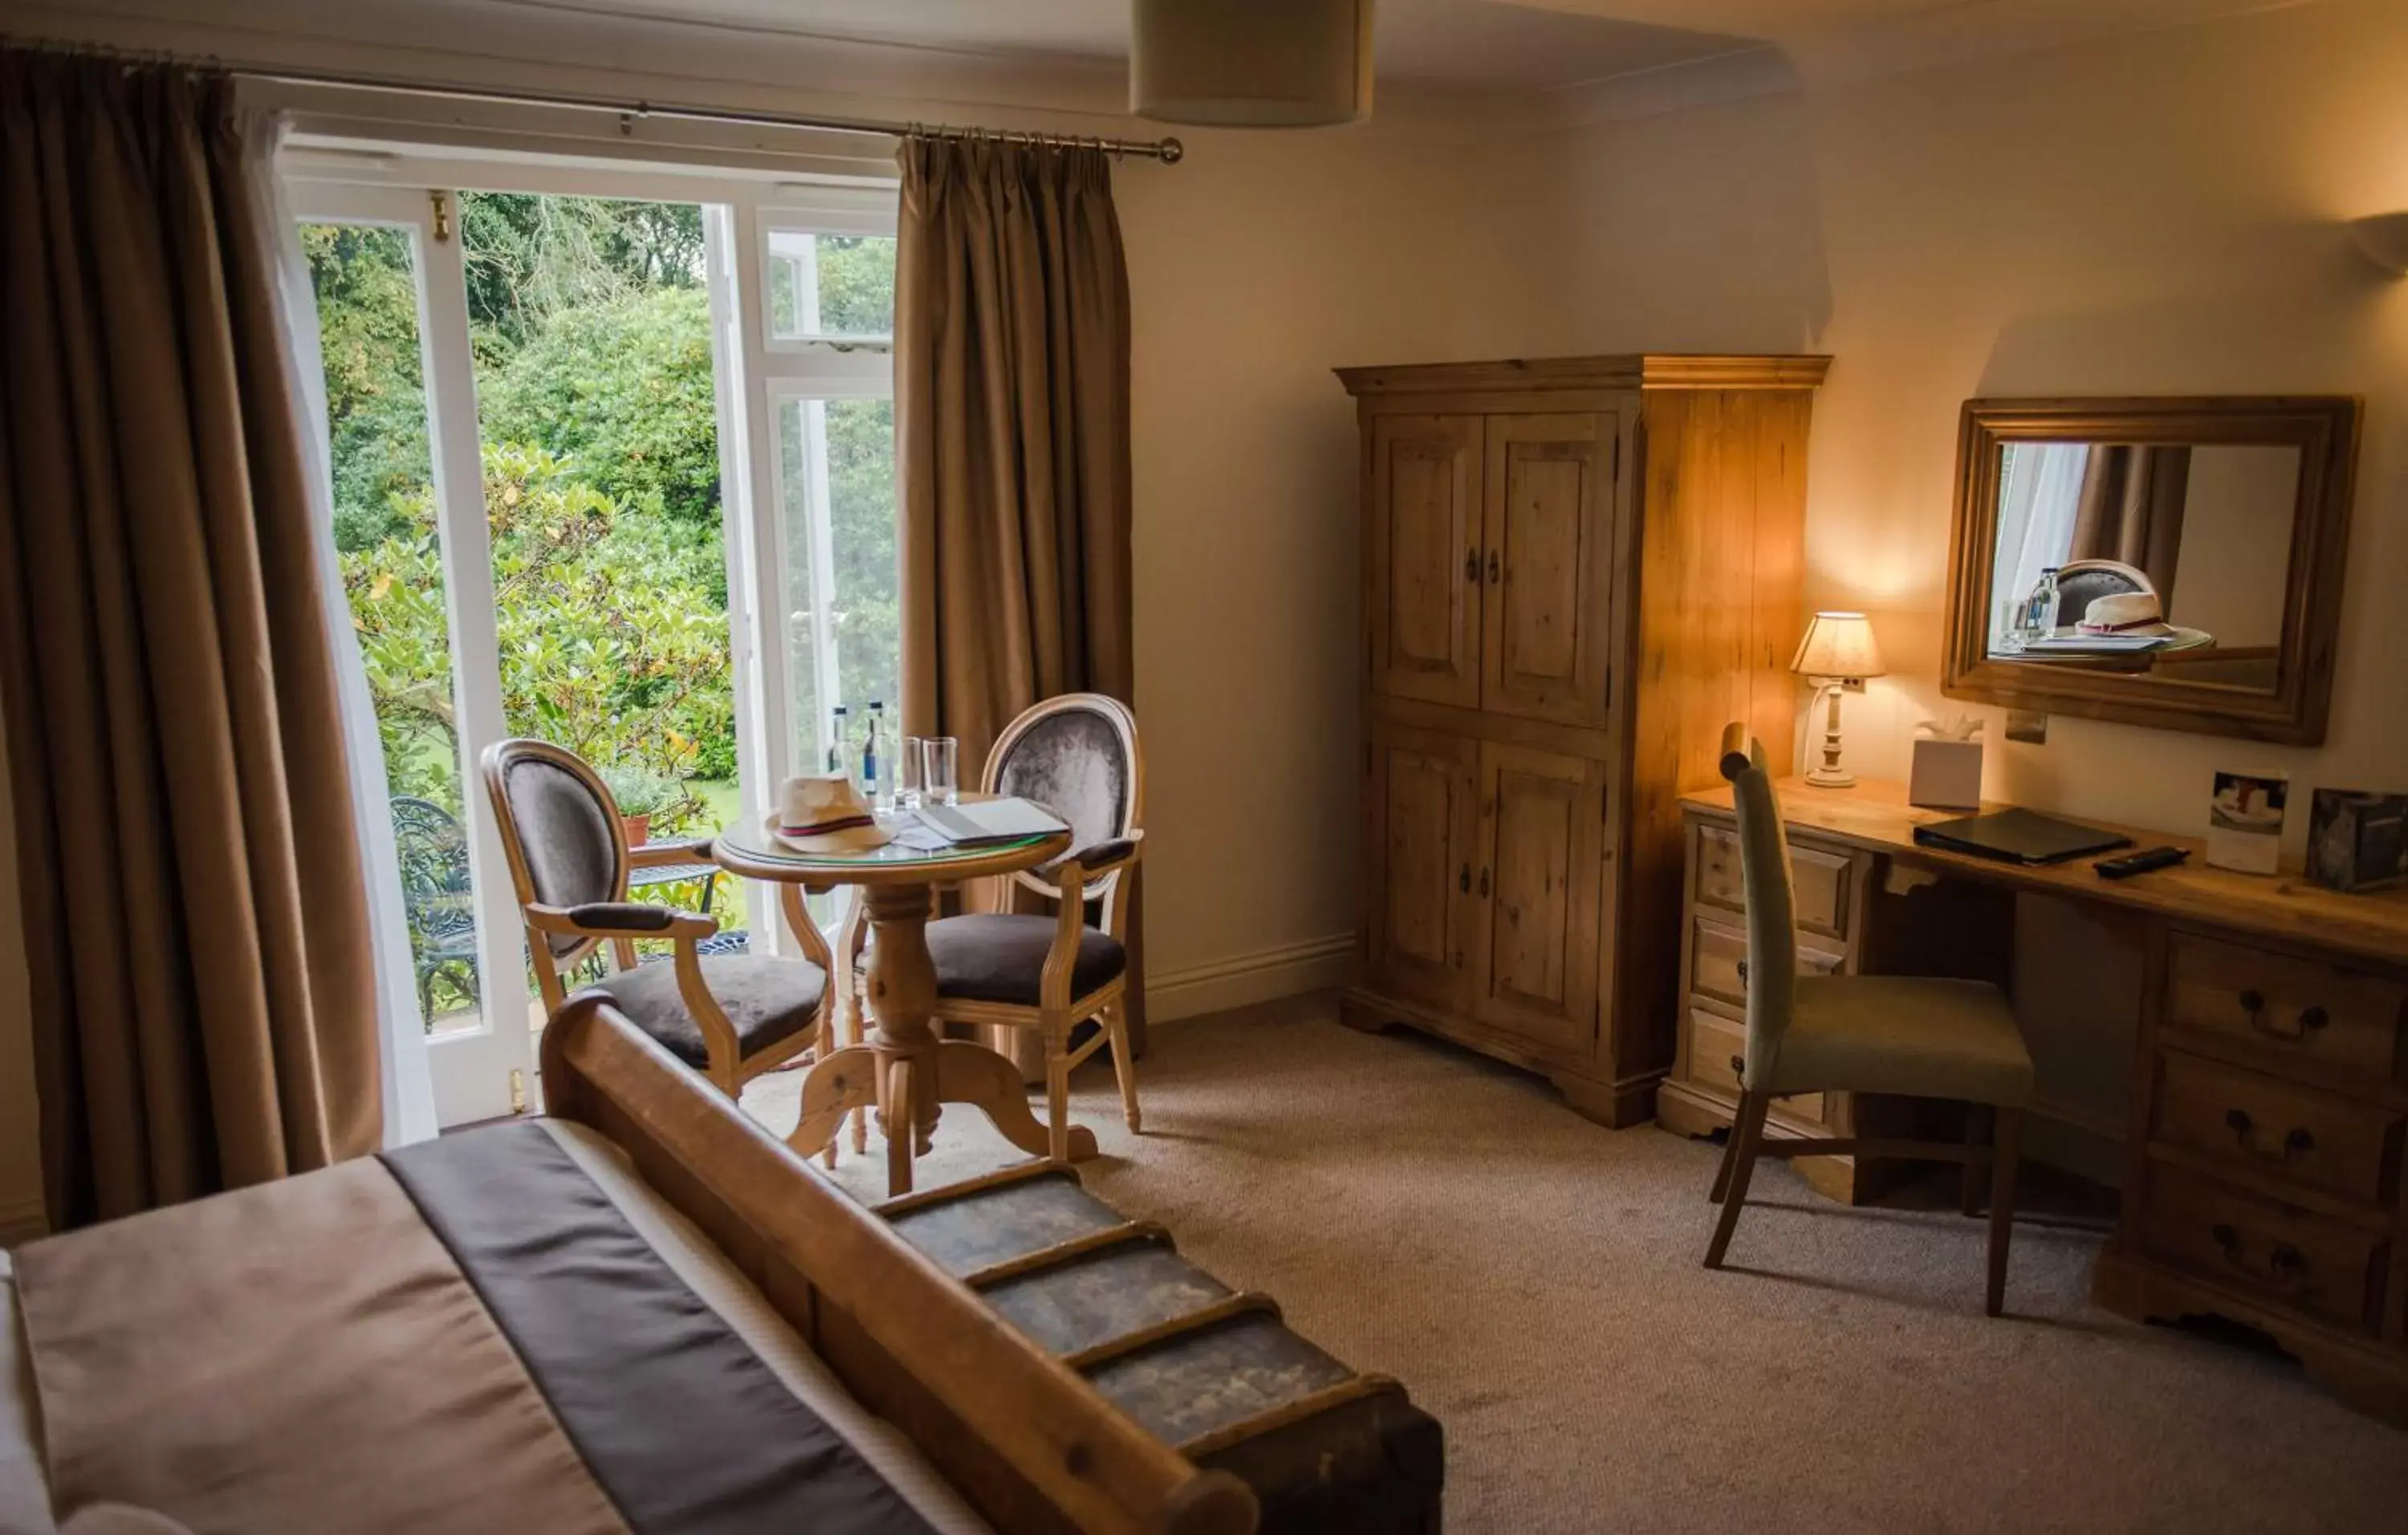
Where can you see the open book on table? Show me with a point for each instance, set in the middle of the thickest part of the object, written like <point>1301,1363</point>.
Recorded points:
<point>976,824</point>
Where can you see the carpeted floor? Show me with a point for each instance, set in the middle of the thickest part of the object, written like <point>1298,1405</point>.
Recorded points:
<point>1534,1280</point>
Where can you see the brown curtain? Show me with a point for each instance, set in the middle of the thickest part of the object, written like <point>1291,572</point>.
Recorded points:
<point>2132,509</point>
<point>1011,421</point>
<point>196,921</point>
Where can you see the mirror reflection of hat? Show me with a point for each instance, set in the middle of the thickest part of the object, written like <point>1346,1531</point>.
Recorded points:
<point>2126,612</point>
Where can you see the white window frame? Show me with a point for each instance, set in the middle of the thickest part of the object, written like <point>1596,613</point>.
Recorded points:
<point>754,374</point>
<point>810,370</point>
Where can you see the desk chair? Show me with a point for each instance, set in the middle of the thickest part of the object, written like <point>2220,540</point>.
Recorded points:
<point>1076,755</point>
<point>1911,1035</point>
<point>730,1017</point>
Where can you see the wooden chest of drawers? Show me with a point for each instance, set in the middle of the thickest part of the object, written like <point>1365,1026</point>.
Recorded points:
<point>2267,1173</point>
<point>2266,1153</point>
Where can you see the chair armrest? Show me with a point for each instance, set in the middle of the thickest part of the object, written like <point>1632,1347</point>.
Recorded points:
<point>1097,859</point>
<point>620,919</point>
<point>653,855</point>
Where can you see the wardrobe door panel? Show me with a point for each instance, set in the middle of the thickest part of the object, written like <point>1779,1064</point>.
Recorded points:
<point>1423,586</point>
<point>1417,894</point>
<point>1548,525</point>
<point>1535,963</point>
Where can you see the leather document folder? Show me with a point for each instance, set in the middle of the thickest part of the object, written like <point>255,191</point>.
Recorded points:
<point>2019,837</point>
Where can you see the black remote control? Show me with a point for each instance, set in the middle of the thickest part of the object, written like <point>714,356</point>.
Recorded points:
<point>2140,863</point>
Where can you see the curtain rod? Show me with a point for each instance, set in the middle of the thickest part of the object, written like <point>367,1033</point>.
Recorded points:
<point>628,110</point>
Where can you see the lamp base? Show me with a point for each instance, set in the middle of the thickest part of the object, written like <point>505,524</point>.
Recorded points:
<point>1828,774</point>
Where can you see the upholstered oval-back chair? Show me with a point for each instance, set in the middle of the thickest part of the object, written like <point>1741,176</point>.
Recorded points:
<point>1914,1036</point>
<point>2082,582</point>
<point>731,1017</point>
<point>1076,755</point>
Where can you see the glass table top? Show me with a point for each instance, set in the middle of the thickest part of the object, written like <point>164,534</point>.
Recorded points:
<point>758,843</point>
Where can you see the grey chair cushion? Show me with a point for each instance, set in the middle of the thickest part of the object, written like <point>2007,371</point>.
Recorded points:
<point>565,832</point>
<point>994,958</point>
<point>766,1000</point>
<point>1072,762</point>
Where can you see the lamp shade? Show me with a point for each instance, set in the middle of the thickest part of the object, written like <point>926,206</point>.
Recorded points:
<point>1839,645</point>
<point>1250,64</point>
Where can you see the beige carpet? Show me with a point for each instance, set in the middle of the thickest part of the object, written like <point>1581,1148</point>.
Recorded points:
<point>1533,1279</point>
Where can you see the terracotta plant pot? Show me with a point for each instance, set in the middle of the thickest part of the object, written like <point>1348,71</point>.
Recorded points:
<point>639,828</point>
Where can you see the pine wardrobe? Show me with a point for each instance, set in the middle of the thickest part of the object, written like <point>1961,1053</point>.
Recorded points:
<point>1575,572</point>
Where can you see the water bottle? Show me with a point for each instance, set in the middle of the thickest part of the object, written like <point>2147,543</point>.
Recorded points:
<point>874,756</point>
<point>2045,603</point>
<point>840,753</point>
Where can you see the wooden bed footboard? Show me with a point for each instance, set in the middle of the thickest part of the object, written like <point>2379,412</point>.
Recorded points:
<point>1031,1444</point>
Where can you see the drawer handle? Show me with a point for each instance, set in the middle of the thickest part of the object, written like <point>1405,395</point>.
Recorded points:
<point>1463,881</point>
<point>1472,565</point>
<point>2284,1263</point>
<point>1492,567</point>
<point>2309,1020</point>
<point>2299,1142</point>
<point>1742,967</point>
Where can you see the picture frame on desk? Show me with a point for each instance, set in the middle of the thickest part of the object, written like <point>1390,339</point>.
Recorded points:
<point>2245,821</point>
<point>2358,841</point>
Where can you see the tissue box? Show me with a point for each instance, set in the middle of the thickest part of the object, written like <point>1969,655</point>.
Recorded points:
<point>1947,775</point>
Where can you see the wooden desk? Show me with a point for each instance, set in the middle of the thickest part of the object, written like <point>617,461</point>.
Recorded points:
<point>2264,1159</point>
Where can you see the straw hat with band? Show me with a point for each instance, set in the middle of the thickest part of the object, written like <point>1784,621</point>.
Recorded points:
<point>824,812</point>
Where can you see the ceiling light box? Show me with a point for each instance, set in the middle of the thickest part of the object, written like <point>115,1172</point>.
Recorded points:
<point>1245,64</point>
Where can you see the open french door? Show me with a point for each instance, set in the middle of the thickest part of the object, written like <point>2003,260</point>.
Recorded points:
<point>798,280</point>
<point>467,948</point>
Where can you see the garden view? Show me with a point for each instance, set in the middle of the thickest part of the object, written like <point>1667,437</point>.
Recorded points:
<point>591,332</point>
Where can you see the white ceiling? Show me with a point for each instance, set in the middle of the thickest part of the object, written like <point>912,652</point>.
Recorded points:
<point>1490,46</point>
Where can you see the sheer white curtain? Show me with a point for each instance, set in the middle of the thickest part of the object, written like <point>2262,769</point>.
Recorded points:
<point>408,1094</point>
<point>2039,496</point>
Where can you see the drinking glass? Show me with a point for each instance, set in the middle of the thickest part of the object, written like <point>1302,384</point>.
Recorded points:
<point>908,773</point>
<point>2014,626</point>
<point>941,758</point>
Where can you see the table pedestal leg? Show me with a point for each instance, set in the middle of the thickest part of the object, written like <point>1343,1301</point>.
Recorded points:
<point>973,1074</point>
<point>917,1071</point>
<point>845,1081</point>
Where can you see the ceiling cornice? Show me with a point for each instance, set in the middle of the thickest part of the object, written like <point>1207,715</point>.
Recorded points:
<point>597,49</point>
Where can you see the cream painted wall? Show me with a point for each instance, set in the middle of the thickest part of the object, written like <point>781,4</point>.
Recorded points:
<point>2157,214</point>
<point>1256,266</point>
<point>2149,215</point>
<point>2236,543</point>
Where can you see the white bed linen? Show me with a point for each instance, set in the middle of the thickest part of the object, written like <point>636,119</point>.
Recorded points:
<point>24,1491</point>
<point>706,1271</point>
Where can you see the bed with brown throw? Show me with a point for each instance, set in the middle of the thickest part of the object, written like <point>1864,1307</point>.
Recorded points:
<point>642,1315</point>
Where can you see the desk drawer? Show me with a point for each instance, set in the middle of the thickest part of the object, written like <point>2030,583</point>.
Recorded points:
<point>1718,962</point>
<point>1822,877</point>
<point>2313,1012</point>
<point>2297,1134</point>
<point>1717,1045</point>
<point>2308,1263</point>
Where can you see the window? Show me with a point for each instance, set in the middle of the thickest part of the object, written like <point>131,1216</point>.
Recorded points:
<point>614,464</point>
<point>830,319</point>
<point>837,289</point>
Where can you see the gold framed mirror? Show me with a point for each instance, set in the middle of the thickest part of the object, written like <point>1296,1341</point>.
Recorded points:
<point>2167,562</point>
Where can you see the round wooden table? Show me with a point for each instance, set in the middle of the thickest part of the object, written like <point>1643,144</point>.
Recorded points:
<point>905,1071</point>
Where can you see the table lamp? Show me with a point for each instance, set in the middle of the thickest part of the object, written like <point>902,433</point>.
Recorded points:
<point>1839,649</point>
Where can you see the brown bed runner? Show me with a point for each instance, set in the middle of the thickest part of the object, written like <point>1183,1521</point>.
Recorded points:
<point>463,1335</point>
